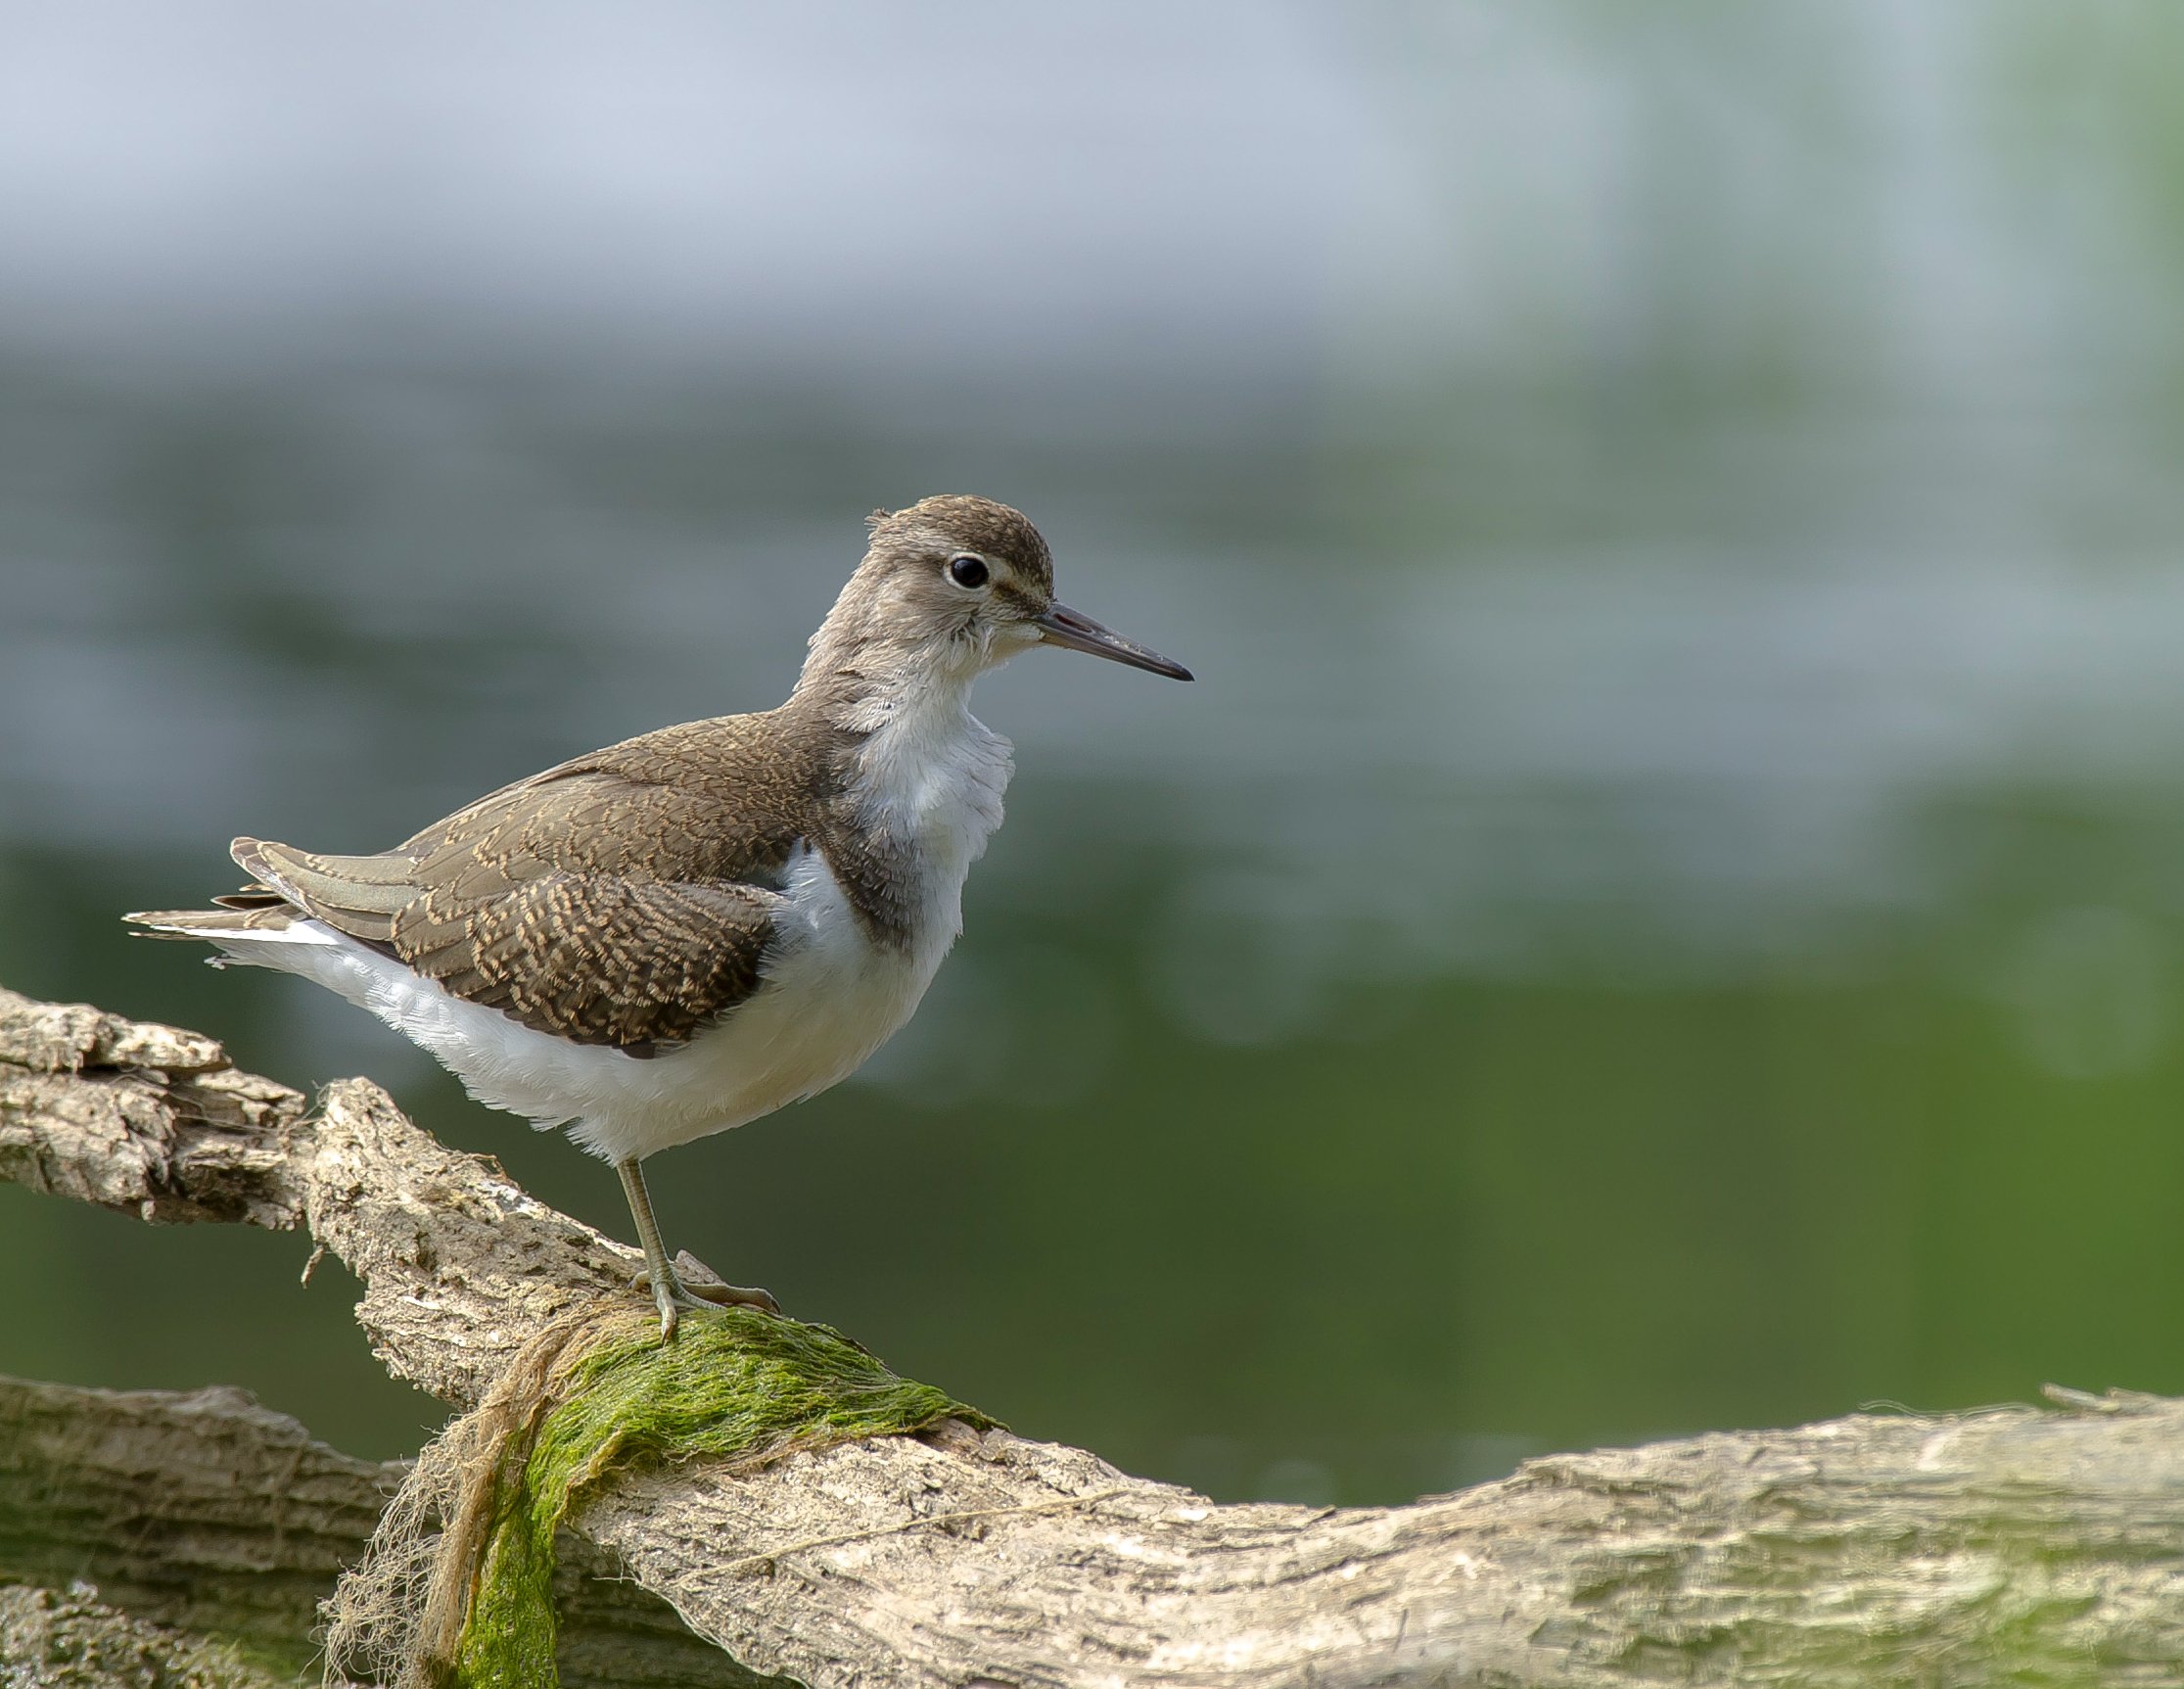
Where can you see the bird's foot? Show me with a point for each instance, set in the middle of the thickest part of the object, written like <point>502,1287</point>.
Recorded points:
<point>689,1284</point>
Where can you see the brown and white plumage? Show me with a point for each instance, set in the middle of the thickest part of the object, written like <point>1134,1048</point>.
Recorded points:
<point>684,931</point>
<point>625,899</point>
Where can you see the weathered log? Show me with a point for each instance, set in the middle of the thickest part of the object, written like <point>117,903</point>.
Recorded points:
<point>2007,1545</point>
<point>202,1514</point>
<point>56,1640</point>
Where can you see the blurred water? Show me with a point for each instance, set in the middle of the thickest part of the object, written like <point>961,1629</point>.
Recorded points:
<point>1661,909</point>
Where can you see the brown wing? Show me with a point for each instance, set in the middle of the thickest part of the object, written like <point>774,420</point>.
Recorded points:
<point>627,897</point>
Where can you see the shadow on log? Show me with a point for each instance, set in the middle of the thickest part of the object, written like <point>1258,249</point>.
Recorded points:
<point>2008,1545</point>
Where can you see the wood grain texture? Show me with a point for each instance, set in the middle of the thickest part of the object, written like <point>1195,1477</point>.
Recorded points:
<point>69,1639</point>
<point>2012,1545</point>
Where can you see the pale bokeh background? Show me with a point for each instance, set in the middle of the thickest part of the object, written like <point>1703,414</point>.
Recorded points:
<point>1665,907</point>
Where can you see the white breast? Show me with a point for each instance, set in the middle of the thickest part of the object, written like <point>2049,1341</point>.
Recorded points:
<point>930,776</point>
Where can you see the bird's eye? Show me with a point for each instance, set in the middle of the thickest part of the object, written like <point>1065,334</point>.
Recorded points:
<point>967,571</point>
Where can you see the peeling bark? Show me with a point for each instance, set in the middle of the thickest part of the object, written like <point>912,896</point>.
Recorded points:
<point>2009,1545</point>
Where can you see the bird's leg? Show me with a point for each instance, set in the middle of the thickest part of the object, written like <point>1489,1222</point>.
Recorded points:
<point>669,1294</point>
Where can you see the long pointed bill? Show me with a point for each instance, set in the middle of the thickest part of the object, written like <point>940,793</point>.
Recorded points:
<point>1062,625</point>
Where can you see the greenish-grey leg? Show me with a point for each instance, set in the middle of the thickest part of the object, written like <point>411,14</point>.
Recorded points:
<point>670,1292</point>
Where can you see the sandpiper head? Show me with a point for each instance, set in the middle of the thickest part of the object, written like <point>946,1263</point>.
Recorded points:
<point>974,577</point>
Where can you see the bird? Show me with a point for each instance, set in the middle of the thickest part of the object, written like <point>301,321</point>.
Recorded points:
<point>687,930</point>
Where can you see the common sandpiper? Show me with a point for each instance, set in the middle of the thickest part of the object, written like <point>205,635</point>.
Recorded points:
<point>685,931</point>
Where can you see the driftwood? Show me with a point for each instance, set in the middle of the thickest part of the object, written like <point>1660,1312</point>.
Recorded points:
<point>199,1514</point>
<point>2008,1545</point>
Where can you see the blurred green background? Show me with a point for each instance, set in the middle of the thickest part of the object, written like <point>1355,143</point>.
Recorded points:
<point>1665,909</point>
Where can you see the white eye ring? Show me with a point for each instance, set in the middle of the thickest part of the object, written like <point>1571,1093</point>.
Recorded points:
<point>968,569</point>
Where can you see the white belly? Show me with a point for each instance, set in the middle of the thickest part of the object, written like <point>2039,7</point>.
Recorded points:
<point>831,996</point>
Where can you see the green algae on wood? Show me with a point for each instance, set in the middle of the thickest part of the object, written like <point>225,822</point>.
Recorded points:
<point>738,1384</point>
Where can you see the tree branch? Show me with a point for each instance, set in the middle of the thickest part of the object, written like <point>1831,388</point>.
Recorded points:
<point>2014,1544</point>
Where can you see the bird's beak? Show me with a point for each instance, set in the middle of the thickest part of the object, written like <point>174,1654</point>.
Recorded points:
<point>1062,625</point>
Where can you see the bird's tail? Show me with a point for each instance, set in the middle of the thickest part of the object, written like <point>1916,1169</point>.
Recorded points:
<point>259,907</point>
<point>267,915</point>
